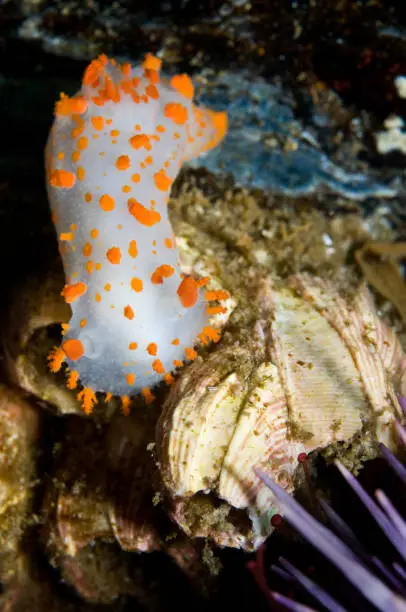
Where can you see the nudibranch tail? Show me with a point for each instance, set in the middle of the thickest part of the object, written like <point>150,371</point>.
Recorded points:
<point>113,153</point>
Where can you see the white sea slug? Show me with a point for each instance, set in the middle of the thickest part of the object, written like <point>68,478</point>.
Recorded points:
<point>114,150</point>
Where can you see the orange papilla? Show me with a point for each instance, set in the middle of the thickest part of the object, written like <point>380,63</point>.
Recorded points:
<point>169,379</point>
<point>161,272</point>
<point>152,348</point>
<point>66,106</point>
<point>158,367</point>
<point>66,236</point>
<point>56,358</point>
<point>140,140</point>
<point>128,312</point>
<point>72,379</point>
<point>209,334</point>
<point>132,249</point>
<point>125,405</point>
<point>188,292</point>
<point>214,310</point>
<point>177,363</point>
<point>132,346</point>
<point>219,295</point>
<point>190,353</point>
<point>162,181</point>
<point>62,179</point>
<point>88,398</point>
<point>72,292</point>
<point>147,395</point>
<point>107,203</point>
<point>151,62</point>
<point>123,162</point>
<point>220,122</point>
<point>177,112</point>
<point>114,255</point>
<point>73,349</point>
<point>136,284</point>
<point>183,84</point>
<point>143,215</point>
<point>94,71</point>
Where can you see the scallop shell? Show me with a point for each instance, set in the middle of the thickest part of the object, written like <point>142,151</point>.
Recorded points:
<point>317,371</point>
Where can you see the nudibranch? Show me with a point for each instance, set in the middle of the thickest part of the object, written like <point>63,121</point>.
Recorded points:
<point>113,152</point>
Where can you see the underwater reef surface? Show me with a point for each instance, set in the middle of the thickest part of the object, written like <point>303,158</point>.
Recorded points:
<point>307,86</point>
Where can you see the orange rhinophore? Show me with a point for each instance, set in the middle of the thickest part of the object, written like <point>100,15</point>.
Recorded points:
<point>114,151</point>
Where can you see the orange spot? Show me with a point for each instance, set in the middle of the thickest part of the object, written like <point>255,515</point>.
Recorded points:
<point>87,249</point>
<point>98,297</point>
<point>136,284</point>
<point>160,128</point>
<point>82,143</point>
<point>209,334</point>
<point>132,249</point>
<point>56,358</point>
<point>123,162</point>
<point>66,236</point>
<point>108,396</point>
<point>176,341</point>
<point>136,178</point>
<point>128,312</point>
<point>162,181</point>
<point>71,293</point>
<point>65,328</point>
<point>73,349</point>
<point>62,179</point>
<point>168,243</point>
<point>142,214</point>
<point>107,203</point>
<point>152,91</point>
<point>190,353</point>
<point>125,404</point>
<point>183,84</point>
<point>98,122</point>
<point>107,287</point>
<point>152,348</point>
<point>72,380</point>
<point>88,398</point>
<point>148,160</point>
<point>177,363</point>
<point>188,292</point>
<point>80,173</point>
<point>61,155</point>
<point>76,156</point>
<point>83,323</point>
<point>98,266</point>
<point>216,295</point>
<point>114,255</point>
<point>177,112</point>
<point>161,272</point>
<point>88,197</point>
<point>158,367</point>
<point>69,106</point>
<point>126,189</point>
<point>132,346</point>
<point>151,62</point>
<point>140,140</point>
<point>130,378</point>
<point>94,233</point>
<point>89,267</point>
<point>147,395</point>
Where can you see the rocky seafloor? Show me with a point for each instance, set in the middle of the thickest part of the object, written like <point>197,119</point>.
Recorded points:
<point>299,185</point>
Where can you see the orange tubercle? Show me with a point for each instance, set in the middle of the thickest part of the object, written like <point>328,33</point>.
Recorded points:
<point>56,358</point>
<point>73,349</point>
<point>188,292</point>
<point>88,398</point>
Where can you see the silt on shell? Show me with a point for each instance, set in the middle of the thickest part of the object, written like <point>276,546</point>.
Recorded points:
<point>317,370</point>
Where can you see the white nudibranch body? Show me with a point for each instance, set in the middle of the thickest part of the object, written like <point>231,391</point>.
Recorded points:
<point>114,150</point>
